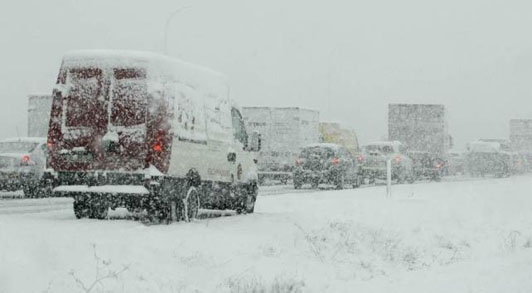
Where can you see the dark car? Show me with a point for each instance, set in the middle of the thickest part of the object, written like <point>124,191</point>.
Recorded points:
<point>376,154</point>
<point>427,165</point>
<point>455,164</point>
<point>326,163</point>
<point>487,158</point>
<point>22,163</point>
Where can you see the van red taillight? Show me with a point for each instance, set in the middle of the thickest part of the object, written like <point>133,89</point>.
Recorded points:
<point>157,147</point>
<point>26,161</point>
<point>397,160</point>
<point>336,161</point>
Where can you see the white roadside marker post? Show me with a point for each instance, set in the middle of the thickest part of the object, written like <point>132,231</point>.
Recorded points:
<point>389,178</point>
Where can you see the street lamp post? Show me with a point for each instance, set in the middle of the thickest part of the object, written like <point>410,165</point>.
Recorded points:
<point>168,20</point>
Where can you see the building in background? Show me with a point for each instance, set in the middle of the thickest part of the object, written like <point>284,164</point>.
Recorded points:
<point>521,140</point>
<point>521,135</point>
<point>423,130</point>
<point>39,107</point>
<point>333,132</point>
<point>284,131</point>
<point>420,127</point>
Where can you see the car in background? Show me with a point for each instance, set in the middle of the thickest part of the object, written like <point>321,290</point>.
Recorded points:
<point>485,158</point>
<point>22,164</point>
<point>520,163</point>
<point>455,164</point>
<point>326,163</point>
<point>374,158</point>
<point>427,165</point>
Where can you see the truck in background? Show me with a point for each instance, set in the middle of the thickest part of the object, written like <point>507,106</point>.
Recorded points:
<point>332,132</point>
<point>488,157</point>
<point>521,141</point>
<point>423,130</point>
<point>284,132</point>
<point>515,165</point>
<point>39,107</point>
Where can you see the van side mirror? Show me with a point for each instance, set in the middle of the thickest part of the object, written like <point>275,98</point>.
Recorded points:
<point>255,142</point>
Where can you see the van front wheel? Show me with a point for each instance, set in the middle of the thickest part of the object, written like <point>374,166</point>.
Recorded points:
<point>191,204</point>
<point>251,198</point>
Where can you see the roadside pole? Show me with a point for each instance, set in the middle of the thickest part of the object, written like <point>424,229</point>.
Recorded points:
<point>389,178</point>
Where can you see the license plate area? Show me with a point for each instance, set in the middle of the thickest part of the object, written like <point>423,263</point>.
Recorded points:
<point>78,157</point>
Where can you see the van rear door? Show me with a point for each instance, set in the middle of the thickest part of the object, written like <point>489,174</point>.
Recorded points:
<point>104,120</point>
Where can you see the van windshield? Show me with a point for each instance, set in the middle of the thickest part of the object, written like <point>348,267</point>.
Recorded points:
<point>83,104</point>
<point>129,106</point>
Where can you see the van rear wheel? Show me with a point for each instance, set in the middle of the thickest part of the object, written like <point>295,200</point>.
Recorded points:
<point>156,208</point>
<point>29,190</point>
<point>81,209</point>
<point>340,181</point>
<point>99,209</point>
<point>251,198</point>
<point>191,204</point>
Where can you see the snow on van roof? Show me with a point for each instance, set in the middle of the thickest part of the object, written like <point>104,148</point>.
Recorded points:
<point>324,144</point>
<point>157,66</point>
<point>25,139</point>
<point>110,56</point>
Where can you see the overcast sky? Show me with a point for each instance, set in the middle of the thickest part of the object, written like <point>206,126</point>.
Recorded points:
<point>348,59</point>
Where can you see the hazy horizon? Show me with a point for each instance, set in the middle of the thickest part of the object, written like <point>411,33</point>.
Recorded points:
<point>347,60</point>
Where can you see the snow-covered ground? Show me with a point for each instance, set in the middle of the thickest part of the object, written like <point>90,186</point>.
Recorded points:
<point>461,236</point>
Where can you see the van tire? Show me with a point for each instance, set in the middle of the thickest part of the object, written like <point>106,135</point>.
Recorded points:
<point>191,204</point>
<point>251,197</point>
<point>30,190</point>
<point>298,182</point>
<point>340,181</point>
<point>81,209</point>
<point>157,209</point>
<point>99,209</point>
<point>357,182</point>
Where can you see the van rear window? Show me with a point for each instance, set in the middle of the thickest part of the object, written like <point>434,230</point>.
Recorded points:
<point>82,104</point>
<point>129,103</point>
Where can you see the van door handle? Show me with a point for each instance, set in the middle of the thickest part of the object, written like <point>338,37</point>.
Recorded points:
<point>231,157</point>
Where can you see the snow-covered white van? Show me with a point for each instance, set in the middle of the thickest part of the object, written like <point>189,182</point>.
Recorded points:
<point>147,132</point>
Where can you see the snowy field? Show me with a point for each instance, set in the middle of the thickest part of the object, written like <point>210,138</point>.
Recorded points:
<point>459,236</point>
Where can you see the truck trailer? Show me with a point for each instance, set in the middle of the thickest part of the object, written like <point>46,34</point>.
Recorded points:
<point>521,140</point>
<point>39,106</point>
<point>284,132</point>
<point>332,132</point>
<point>423,130</point>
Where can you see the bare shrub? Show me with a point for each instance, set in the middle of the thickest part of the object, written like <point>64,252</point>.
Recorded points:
<point>104,271</point>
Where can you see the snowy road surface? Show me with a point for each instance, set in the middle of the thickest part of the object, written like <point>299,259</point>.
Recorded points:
<point>463,236</point>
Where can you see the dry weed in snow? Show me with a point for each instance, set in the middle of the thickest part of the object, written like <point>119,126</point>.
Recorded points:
<point>104,272</point>
<point>360,251</point>
<point>254,284</point>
